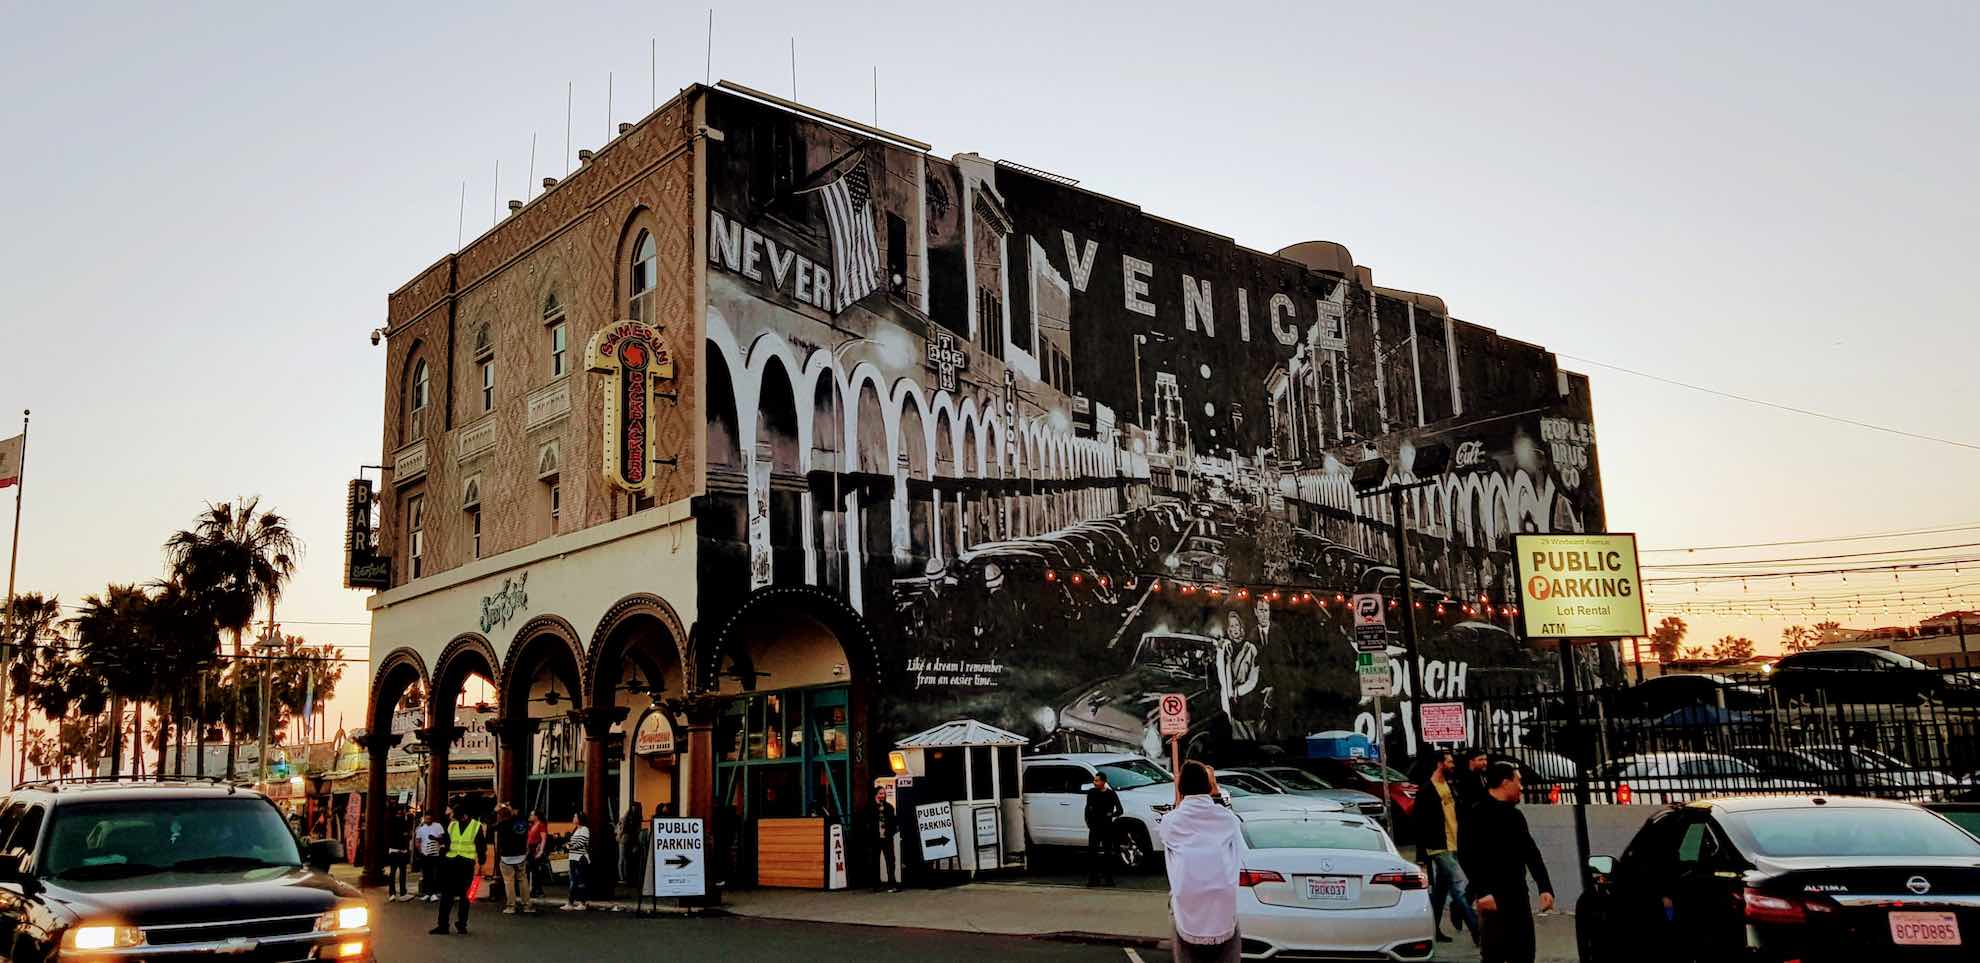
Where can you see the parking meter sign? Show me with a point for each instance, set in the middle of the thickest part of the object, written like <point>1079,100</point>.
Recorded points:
<point>1174,714</point>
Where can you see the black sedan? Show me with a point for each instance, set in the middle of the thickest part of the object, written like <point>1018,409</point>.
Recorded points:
<point>1786,878</point>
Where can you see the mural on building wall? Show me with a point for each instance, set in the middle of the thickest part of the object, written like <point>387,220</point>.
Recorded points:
<point>1065,456</point>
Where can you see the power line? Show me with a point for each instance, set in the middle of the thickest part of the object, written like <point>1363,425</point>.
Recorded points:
<point>1970,446</point>
<point>1968,527</point>
<point>1811,558</point>
<point>1694,579</point>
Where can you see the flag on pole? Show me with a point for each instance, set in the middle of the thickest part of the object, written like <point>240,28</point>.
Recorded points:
<point>10,460</point>
<point>855,253</point>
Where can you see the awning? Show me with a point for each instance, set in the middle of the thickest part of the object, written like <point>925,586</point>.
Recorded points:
<point>962,732</point>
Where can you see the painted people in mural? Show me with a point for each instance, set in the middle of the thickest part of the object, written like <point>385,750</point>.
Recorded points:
<point>1066,456</point>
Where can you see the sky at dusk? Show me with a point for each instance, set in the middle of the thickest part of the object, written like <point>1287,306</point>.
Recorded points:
<point>209,203</point>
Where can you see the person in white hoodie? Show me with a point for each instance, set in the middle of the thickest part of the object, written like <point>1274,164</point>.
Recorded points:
<point>1200,840</point>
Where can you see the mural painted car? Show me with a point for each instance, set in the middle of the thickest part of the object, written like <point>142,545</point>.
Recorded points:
<point>1120,712</point>
<point>1200,557</point>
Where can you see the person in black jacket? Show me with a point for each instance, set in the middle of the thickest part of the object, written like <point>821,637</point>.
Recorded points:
<point>1497,851</point>
<point>1103,806</point>
<point>885,827</point>
<point>1469,779</point>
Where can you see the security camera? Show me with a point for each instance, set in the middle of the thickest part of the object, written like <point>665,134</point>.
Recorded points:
<point>377,335</point>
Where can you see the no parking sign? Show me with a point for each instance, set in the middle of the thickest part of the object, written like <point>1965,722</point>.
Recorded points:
<point>1174,714</point>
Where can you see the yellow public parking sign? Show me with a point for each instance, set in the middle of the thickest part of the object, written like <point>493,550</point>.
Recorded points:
<point>1579,586</point>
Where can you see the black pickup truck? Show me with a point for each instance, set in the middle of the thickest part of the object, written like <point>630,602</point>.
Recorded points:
<point>151,871</point>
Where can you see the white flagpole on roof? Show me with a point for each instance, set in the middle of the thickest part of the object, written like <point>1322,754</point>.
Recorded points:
<point>13,560</point>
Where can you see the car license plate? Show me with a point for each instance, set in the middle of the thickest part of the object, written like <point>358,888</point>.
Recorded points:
<point>1328,889</point>
<point>1924,929</point>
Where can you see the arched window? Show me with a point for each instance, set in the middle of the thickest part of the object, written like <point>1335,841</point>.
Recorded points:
<point>417,396</point>
<point>645,265</point>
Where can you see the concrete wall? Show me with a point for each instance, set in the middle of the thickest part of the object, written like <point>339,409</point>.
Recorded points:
<point>1610,828</point>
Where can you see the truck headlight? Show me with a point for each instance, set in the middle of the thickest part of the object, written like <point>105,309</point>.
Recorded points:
<point>346,916</point>
<point>104,936</point>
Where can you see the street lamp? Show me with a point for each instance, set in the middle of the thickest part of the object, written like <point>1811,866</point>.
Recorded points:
<point>1370,478</point>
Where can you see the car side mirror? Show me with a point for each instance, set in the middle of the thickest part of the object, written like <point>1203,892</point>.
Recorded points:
<point>1601,868</point>
<point>10,868</point>
<point>322,853</point>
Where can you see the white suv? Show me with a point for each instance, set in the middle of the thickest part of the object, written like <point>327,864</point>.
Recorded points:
<point>1055,800</point>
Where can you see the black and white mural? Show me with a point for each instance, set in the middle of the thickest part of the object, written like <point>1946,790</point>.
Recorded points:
<point>1064,455</point>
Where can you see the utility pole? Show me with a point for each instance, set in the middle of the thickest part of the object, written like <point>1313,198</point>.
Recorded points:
<point>1371,478</point>
<point>267,645</point>
<point>1414,669</point>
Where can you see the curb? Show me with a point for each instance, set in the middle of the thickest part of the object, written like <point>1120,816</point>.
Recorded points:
<point>1103,939</point>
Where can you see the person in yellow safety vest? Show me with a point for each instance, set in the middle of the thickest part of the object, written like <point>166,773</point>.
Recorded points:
<point>467,842</point>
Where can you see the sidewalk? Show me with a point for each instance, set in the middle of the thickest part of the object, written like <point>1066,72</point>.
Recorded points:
<point>1129,917</point>
<point>1138,917</point>
<point>1020,907</point>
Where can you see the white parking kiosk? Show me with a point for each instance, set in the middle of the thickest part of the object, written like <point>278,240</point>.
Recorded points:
<point>971,768</point>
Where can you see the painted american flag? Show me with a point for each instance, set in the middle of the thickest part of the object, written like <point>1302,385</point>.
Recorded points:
<point>855,254</point>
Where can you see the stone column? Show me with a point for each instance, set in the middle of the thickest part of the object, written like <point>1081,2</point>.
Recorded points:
<point>376,824</point>
<point>597,722</point>
<point>439,744</point>
<point>701,712</point>
<point>514,740</point>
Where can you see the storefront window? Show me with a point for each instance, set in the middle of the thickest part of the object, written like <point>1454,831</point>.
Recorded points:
<point>729,732</point>
<point>830,724</point>
<point>774,738</point>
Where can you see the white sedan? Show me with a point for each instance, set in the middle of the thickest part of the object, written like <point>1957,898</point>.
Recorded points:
<point>1325,886</point>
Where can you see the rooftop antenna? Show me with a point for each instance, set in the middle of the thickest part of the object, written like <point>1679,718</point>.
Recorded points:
<point>529,187</point>
<point>495,194</point>
<point>460,219</point>
<point>794,68</point>
<point>652,73</point>
<point>708,64</point>
<point>876,95</point>
<point>608,106</point>
<point>567,128</point>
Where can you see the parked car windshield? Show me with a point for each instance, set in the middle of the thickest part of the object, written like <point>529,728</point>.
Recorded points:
<point>1375,772</point>
<point>114,840</point>
<point>1297,779</point>
<point>1133,774</point>
<point>1312,834</point>
<point>1854,832</point>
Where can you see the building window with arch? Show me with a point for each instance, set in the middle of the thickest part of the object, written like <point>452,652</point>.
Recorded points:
<point>560,336</point>
<point>488,385</point>
<point>642,278</point>
<point>418,395</point>
<point>416,535</point>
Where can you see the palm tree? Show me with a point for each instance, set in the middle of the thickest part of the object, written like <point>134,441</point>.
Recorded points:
<point>235,556</point>
<point>27,631</point>
<point>185,640</point>
<point>114,641</point>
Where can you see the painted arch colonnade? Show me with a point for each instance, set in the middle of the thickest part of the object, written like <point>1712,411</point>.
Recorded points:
<point>639,653</point>
<point>804,412</point>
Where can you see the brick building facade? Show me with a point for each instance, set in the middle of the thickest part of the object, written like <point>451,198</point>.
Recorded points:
<point>944,438</point>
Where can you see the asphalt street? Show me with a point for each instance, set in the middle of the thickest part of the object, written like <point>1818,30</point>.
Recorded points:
<point>608,937</point>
